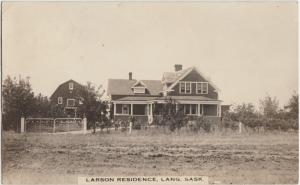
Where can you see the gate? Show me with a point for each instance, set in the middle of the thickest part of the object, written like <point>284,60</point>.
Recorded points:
<point>53,124</point>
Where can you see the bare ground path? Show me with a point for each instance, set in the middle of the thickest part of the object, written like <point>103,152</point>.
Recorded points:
<point>247,159</point>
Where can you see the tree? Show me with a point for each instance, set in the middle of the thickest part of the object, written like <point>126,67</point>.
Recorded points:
<point>93,108</point>
<point>18,100</point>
<point>292,107</point>
<point>243,111</point>
<point>170,115</point>
<point>42,106</point>
<point>269,106</point>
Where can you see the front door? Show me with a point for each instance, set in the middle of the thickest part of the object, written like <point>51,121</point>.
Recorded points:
<point>70,112</point>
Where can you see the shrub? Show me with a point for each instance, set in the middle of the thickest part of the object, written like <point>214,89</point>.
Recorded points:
<point>281,124</point>
<point>137,125</point>
<point>195,124</point>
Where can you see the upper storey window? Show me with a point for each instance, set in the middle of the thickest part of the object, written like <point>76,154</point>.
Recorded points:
<point>202,88</point>
<point>185,87</point>
<point>60,100</point>
<point>71,86</point>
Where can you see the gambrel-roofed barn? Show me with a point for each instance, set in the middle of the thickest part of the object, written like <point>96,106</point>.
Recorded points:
<point>68,97</point>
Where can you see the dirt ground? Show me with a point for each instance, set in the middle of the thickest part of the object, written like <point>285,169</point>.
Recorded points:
<point>227,158</point>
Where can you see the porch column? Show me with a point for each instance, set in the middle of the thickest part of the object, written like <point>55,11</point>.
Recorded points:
<point>22,124</point>
<point>151,109</point>
<point>198,109</point>
<point>219,110</point>
<point>148,109</point>
<point>115,108</point>
<point>131,109</point>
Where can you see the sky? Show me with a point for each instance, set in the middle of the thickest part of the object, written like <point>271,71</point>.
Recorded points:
<point>249,50</point>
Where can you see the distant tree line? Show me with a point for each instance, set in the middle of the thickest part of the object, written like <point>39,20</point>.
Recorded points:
<point>269,116</point>
<point>19,100</point>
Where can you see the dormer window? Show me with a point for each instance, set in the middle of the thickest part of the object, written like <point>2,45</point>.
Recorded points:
<point>139,87</point>
<point>139,90</point>
<point>71,86</point>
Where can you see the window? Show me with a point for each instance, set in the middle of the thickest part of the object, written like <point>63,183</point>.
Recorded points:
<point>70,102</point>
<point>182,87</point>
<point>188,88</point>
<point>185,87</point>
<point>193,109</point>
<point>71,86</point>
<point>139,90</point>
<point>186,109</point>
<point>202,88</point>
<point>59,100</point>
<point>190,109</point>
<point>123,109</point>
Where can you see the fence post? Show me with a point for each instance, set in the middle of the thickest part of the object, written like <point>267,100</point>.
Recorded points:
<point>84,125</point>
<point>53,125</point>
<point>40,127</point>
<point>130,127</point>
<point>22,124</point>
<point>240,127</point>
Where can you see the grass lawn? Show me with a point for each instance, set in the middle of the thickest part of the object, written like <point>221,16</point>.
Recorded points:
<point>228,158</point>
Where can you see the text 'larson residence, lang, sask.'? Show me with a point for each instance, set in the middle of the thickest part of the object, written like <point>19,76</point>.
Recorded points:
<point>192,92</point>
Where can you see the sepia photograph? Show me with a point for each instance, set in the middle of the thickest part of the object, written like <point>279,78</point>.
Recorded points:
<point>163,92</point>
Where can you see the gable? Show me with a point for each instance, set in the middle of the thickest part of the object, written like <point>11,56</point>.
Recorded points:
<point>194,78</point>
<point>193,75</point>
<point>139,84</point>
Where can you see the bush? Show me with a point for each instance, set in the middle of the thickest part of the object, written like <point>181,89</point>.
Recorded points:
<point>137,125</point>
<point>196,124</point>
<point>229,124</point>
<point>281,124</point>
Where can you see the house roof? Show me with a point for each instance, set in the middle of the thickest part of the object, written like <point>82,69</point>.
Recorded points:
<point>124,86</point>
<point>170,77</point>
<point>154,87</point>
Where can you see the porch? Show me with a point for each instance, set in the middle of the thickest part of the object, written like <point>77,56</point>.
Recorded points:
<point>145,110</point>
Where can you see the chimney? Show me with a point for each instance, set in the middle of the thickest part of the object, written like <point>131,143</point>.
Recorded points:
<point>178,67</point>
<point>130,75</point>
